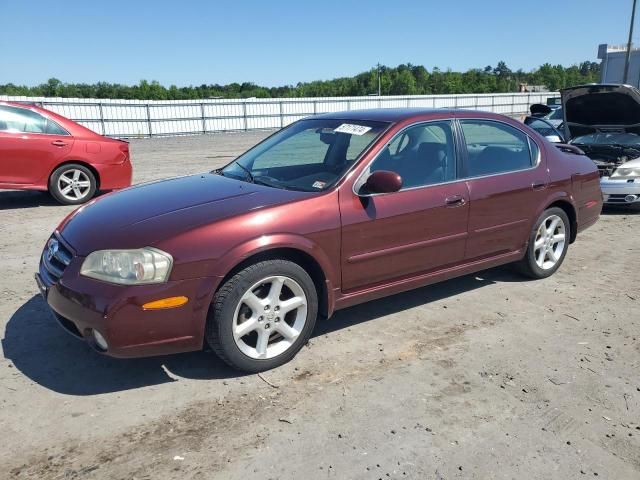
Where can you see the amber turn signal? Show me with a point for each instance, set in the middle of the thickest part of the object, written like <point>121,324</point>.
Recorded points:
<point>171,302</point>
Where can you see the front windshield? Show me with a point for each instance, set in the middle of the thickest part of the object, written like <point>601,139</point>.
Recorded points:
<point>608,138</point>
<point>310,155</point>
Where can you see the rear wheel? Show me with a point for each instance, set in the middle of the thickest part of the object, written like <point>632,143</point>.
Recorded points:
<point>548,244</point>
<point>72,184</point>
<point>262,316</point>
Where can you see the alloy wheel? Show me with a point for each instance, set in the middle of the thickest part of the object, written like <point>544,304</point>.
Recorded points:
<point>550,242</point>
<point>269,317</point>
<point>74,184</point>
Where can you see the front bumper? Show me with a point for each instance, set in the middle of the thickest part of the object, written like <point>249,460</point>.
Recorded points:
<point>620,191</point>
<point>82,305</point>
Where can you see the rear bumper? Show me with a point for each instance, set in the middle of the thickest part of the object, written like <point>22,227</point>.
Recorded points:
<point>114,177</point>
<point>620,192</point>
<point>82,305</point>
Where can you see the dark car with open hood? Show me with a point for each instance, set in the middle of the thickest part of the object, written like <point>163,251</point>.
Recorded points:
<point>603,121</point>
<point>331,211</point>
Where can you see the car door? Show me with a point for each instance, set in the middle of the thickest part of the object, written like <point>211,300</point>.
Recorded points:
<point>30,145</point>
<point>422,227</point>
<point>507,177</point>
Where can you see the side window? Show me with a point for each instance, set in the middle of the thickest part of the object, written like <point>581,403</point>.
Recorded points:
<point>422,155</point>
<point>495,147</point>
<point>55,129</point>
<point>13,119</point>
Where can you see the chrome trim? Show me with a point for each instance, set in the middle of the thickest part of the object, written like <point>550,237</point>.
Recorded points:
<point>533,167</point>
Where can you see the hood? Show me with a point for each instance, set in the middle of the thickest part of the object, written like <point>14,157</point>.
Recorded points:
<point>635,163</point>
<point>539,110</point>
<point>600,108</point>
<point>148,213</point>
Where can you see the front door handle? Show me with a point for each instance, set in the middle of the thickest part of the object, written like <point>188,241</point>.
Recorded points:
<point>538,185</point>
<point>455,201</point>
<point>59,143</point>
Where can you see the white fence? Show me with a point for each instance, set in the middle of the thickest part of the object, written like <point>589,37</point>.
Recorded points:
<point>148,118</point>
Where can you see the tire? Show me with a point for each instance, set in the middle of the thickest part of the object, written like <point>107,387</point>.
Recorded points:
<point>72,184</point>
<point>250,298</point>
<point>549,247</point>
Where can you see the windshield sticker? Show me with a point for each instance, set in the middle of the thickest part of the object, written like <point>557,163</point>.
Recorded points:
<point>352,129</point>
<point>318,184</point>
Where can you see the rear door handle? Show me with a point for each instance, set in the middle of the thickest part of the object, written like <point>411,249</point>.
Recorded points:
<point>455,201</point>
<point>538,185</point>
<point>59,143</point>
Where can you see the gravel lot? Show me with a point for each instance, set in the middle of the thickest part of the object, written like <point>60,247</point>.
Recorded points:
<point>486,376</point>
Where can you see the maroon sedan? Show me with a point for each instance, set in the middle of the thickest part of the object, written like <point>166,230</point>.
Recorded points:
<point>332,211</point>
<point>41,150</point>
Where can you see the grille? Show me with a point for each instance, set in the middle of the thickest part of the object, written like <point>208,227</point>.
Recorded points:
<point>55,258</point>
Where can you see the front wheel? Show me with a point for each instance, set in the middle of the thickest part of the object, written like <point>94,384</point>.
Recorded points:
<point>548,244</point>
<point>72,184</point>
<point>263,315</point>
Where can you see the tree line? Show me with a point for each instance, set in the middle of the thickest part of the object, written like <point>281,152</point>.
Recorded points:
<point>405,79</point>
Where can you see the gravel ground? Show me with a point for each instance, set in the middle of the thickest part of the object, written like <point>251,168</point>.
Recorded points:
<point>485,376</point>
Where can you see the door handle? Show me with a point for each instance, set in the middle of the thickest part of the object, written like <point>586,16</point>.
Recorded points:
<point>455,201</point>
<point>59,143</point>
<point>538,185</point>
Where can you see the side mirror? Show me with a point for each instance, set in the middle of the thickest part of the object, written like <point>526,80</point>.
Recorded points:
<point>554,138</point>
<point>383,181</point>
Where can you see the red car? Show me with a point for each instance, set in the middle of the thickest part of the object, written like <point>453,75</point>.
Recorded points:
<point>41,150</point>
<point>332,211</point>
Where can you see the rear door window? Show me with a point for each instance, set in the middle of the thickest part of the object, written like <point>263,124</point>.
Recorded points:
<point>495,147</point>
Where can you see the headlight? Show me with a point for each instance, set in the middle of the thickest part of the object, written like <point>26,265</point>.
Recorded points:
<point>623,172</point>
<point>128,267</point>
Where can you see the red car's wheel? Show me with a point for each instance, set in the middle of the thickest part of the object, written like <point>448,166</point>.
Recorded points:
<point>72,184</point>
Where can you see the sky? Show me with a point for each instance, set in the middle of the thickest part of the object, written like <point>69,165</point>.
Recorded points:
<point>275,42</point>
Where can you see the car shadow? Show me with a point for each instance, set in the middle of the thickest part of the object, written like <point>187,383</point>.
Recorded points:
<point>15,199</point>
<point>404,301</point>
<point>40,349</point>
<point>47,355</point>
<point>620,210</point>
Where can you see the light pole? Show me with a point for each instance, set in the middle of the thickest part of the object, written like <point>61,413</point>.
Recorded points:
<point>379,90</point>
<point>628,56</point>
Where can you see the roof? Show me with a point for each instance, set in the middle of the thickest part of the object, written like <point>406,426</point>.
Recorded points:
<point>386,114</point>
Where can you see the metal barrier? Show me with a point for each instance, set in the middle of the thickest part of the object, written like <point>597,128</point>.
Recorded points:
<point>136,118</point>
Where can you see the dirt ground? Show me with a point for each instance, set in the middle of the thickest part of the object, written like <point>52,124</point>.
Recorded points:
<point>485,376</point>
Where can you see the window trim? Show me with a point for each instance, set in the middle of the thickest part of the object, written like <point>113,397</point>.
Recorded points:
<point>366,170</point>
<point>463,144</point>
<point>46,119</point>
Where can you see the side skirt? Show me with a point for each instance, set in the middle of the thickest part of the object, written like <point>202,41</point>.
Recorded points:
<point>344,300</point>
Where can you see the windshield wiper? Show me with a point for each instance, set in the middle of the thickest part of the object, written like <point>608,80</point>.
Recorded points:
<point>247,171</point>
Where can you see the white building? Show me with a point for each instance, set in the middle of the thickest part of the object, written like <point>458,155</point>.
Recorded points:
<point>612,66</point>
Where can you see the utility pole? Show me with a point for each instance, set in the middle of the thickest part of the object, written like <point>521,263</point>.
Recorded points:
<point>628,56</point>
<point>379,89</point>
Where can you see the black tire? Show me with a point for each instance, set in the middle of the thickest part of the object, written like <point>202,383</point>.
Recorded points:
<point>528,265</point>
<point>57,193</point>
<point>219,328</point>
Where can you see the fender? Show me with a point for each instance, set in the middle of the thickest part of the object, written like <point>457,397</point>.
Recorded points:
<point>554,197</point>
<point>264,243</point>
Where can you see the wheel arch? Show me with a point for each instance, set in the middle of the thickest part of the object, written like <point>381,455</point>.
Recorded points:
<point>568,208</point>
<point>76,162</point>
<point>299,257</point>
